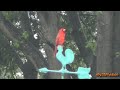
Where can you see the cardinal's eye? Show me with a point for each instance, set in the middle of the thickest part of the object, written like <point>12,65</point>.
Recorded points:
<point>64,29</point>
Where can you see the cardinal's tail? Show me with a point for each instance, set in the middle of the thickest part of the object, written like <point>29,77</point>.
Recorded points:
<point>55,51</point>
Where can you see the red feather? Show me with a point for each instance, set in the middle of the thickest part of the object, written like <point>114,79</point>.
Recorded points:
<point>60,39</point>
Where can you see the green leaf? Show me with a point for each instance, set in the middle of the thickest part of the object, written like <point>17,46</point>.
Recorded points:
<point>25,35</point>
<point>16,44</point>
<point>98,12</point>
<point>117,54</point>
<point>10,15</point>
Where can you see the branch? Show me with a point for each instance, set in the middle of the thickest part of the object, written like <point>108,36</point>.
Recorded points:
<point>9,30</point>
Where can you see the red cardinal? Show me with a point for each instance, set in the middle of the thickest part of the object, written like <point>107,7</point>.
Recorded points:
<point>60,39</point>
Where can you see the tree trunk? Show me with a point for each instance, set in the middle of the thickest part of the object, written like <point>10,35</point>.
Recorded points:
<point>79,38</point>
<point>50,28</point>
<point>104,43</point>
<point>116,43</point>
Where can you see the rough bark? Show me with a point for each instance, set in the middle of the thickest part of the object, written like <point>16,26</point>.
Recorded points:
<point>116,42</point>
<point>79,38</point>
<point>48,20</point>
<point>28,49</point>
<point>104,43</point>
